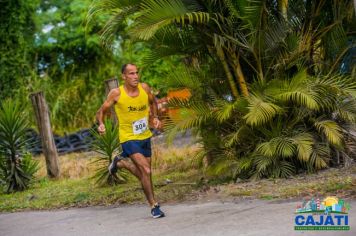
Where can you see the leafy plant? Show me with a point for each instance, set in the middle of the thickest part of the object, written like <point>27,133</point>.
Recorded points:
<point>107,145</point>
<point>267,98</point>
<point>283,127</point>
<point>16,166</point>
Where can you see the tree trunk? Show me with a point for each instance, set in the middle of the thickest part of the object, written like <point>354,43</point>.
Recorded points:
<point>240,76</point>
<point>44,125</point>
<point>229,76</point>
<point>109,85</point>
<point>283,6</point>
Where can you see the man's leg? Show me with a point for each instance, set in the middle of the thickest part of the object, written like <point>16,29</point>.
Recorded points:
<point>130,167</point>
<point>143,165</point>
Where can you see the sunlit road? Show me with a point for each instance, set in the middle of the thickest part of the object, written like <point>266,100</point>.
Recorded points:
<point>184,219</point>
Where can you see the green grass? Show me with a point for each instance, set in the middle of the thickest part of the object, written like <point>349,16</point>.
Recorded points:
<point>64,193</point>
<point>76,189</point>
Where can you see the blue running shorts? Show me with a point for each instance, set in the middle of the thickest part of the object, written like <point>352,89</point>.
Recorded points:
<point>137,146</point>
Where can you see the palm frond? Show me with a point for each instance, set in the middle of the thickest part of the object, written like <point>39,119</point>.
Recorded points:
<point>260,111</point>
<point>277,147</point>
<point>304,143</point>
<point>331,130</point>
<point>158,14</point>
<point>319,158</point>
<point>118,11</point>
<point>346,110</point>
<point>338,84</point>
<point>184,78</point>
<point>298,91</point>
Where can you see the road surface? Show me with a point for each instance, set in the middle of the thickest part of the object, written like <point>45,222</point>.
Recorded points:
<point>243,217</point>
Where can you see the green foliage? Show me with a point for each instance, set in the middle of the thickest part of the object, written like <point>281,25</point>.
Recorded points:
<point>17,29</point>
<point>71,65</point>
<point>244,139</point>
<point>16,166</point>
<point>107,145</point>
<point>66,47</point>
<point>285,62</point>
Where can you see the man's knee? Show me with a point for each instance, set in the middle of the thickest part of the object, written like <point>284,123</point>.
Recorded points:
<point>147,170</point>
<point>142,163</point>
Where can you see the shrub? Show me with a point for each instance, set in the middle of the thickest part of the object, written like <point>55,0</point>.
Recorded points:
<point>107,145</point>
<point>16,165</point>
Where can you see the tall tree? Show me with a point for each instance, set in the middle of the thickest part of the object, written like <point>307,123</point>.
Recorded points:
<point>17,27</point>
<point>65,45</point>
<point>238,34</point>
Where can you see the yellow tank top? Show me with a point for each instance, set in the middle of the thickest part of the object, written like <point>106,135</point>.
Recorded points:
<point>133,113</point>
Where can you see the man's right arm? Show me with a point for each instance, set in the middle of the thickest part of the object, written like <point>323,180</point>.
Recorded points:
<point>112,98</point>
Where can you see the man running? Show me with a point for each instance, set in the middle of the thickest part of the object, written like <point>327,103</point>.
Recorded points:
<point>132,102</point>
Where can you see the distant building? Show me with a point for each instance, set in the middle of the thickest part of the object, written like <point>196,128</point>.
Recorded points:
<point>337,207</point>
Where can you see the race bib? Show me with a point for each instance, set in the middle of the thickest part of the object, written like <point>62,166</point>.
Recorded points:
<point>139,126</point>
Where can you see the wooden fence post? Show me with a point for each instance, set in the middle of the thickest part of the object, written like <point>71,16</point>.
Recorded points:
<point>44,125</point>
<point>111,84</point>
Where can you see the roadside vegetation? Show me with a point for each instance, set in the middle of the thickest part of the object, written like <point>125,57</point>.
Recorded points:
<point>177,177</point>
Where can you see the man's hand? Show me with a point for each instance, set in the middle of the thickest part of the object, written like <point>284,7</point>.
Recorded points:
<point>101,129</point>
<point>156,123</point>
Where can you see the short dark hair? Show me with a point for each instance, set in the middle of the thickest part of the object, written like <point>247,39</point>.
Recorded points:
<point>123,67</point>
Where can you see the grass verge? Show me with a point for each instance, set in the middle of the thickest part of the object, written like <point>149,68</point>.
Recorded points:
<point>178,176</point>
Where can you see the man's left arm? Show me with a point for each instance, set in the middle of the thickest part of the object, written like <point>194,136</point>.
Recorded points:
<point>153,105</point>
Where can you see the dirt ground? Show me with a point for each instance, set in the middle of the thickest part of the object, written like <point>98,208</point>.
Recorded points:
<point>340,182</point>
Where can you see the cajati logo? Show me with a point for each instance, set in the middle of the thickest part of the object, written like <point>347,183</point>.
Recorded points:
<point>330,213</point>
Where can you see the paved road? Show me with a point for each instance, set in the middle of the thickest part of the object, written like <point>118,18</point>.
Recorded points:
<point>208,218</point>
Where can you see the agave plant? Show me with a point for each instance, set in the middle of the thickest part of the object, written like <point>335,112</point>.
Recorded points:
<point>107,145</point>
<point>16,165</point>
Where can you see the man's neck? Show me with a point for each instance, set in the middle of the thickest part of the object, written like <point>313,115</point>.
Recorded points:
<point>130,90</point>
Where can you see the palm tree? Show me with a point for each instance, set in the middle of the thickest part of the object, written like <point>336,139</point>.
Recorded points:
<point>283,127</point>
<point>239,34</point>
<point>283,57</point>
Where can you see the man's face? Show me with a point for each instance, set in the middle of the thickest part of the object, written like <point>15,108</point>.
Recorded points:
<point>130,76</point>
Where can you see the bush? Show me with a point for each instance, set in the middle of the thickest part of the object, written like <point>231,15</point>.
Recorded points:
<point>16,165</point>
<point>107,145</point>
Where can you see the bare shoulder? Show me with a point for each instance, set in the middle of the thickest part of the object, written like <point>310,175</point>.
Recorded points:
<point>114,94</point>
<point>146,87</point>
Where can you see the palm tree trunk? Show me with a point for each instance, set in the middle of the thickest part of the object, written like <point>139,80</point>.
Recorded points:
<point>283,6</point>
<point>229,76</point>
<point>240,75</point>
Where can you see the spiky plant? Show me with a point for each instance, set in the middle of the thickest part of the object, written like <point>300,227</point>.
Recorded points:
<point>16,166</point>
<point>107,145</point>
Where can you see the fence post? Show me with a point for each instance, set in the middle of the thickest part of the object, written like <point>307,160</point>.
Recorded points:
<point>44,125</point>
<point>111,84</point>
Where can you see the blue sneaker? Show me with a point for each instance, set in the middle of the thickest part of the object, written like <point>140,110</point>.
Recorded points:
<point>156,212</point>
<point>113,165</point>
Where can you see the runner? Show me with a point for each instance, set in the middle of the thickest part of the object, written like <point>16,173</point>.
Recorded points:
<point>132,103</point>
